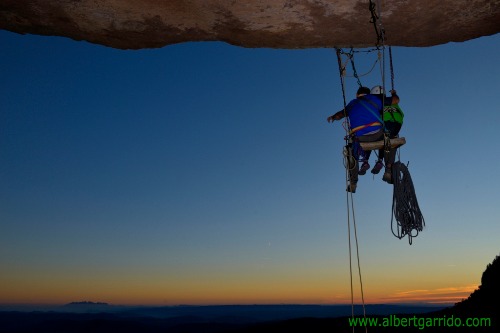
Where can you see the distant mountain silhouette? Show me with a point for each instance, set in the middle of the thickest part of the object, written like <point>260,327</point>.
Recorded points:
<point>86,307</point>
<point>87,303</point>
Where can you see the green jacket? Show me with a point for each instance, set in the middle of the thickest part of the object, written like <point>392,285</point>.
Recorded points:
<point>393,113</point>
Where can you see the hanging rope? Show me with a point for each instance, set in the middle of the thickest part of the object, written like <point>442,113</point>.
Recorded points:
<point>391,67</point>
<point>381,37</point>
<point>376,19</point>
<point>351,58</point>
<point>382,72</point>
<point>379,30</point>
<point>348,161</point>
<point>405,207</point>
<point>342,73</point>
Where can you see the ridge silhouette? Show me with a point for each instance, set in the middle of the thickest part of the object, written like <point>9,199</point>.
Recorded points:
<point>486,298</point>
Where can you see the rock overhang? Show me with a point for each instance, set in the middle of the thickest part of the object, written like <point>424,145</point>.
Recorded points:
<point>288,24</point>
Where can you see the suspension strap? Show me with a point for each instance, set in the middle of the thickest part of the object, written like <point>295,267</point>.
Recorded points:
<point>392,68</point>
<point>387,144</point>
<point>342,73</point>
<point>355,73</point>
<point>363,101</point>
<point>374,18</point>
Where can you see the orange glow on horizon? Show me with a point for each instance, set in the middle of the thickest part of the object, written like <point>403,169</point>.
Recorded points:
<point>436,296</point>
<point>213,290</point>
<point>432,296</point>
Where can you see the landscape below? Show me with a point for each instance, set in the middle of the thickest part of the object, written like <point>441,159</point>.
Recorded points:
<point>101,317</point>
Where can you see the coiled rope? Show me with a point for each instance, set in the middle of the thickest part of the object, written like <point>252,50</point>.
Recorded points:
<point>405,209</point>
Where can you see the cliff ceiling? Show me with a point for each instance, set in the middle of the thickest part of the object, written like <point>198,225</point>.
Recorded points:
<point>134,24</point>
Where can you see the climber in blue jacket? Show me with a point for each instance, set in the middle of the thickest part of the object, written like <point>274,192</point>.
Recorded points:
<point>365,124</point>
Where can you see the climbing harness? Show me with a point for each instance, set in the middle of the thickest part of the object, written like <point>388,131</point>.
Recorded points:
<point>358,128</point>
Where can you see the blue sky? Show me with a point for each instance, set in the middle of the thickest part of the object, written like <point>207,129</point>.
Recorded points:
<point>206,173</point>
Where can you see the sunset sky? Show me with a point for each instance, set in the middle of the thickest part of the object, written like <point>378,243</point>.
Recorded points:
<point>205,173</point>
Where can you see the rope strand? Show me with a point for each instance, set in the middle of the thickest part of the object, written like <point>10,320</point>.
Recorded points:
<point>349,197</point>
<point>359,263</point>
<point>392,68</point>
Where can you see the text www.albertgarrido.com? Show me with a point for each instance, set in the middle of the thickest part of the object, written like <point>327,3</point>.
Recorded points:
<point>420,322</point>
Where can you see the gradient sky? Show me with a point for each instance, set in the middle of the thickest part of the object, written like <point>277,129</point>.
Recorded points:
<point>204,173</point>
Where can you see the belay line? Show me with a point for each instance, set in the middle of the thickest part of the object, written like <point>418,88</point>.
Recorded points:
<point>405,209</point>
<point>350,203</point>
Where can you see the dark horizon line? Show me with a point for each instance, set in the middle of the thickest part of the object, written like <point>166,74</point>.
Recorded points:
<point>83,303</point>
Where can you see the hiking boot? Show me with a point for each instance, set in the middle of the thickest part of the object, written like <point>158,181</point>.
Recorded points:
<point>365,166</point>
<point>387,177</point>
<point>378,166</point>
<point>352,187</point>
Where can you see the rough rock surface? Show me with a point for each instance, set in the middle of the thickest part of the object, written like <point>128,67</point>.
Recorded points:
<point>135,24</point>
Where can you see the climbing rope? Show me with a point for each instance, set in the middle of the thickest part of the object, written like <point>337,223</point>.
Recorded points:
<point>350,162</point>
<point>350,58</point>
<point>342,73</point>
<point>405,209</point>
<point>391,67</point>
<point>375,17</point>
<point>382,72</point>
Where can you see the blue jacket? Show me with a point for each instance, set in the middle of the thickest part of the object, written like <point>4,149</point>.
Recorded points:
<point>364,114</point>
